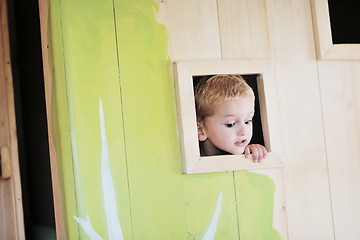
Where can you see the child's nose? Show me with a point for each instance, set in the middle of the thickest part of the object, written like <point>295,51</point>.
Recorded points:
<point>241,131</point>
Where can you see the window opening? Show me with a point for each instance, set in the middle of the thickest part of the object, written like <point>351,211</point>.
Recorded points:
<point>251,80</point>
<point>259,75</point>
<point>344,18</point>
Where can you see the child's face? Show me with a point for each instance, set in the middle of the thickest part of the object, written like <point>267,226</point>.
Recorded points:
<point>230,128</point>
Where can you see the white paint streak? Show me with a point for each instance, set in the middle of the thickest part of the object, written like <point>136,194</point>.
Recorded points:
<point>114,228</point>
<point>111,210</point>
<point>210,233</point>
<point>86,225</point>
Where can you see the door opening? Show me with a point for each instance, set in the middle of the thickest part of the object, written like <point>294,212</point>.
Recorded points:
<point>26,58</point>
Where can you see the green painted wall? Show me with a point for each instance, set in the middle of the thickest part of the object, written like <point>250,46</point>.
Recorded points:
<point>117,52</point>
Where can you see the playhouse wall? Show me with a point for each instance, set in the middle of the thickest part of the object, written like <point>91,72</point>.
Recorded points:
<point>113,59</point>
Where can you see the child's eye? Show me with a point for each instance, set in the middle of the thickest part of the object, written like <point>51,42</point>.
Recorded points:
<point>229,125</point>
<point>248,122</point>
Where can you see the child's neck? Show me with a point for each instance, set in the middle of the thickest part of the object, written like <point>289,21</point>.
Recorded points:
<point>208,149</point>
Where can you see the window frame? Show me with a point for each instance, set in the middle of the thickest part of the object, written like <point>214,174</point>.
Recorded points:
<point>190,153</point>
<point>326,49</point>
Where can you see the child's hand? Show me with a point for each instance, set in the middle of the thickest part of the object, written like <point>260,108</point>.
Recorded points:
<point>258,152</point>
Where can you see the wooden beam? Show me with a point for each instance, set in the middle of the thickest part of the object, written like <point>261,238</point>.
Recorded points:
<point>11,211</point>
<point>44,6</point>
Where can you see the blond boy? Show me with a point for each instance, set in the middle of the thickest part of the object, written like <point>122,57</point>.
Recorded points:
<point>224,110</point>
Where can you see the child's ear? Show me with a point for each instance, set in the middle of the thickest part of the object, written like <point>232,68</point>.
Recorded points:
<point>201,132</point>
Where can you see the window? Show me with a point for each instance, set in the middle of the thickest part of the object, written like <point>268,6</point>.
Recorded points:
<point>336,35</point>
<point>344,17</point>
<point>258,73</point>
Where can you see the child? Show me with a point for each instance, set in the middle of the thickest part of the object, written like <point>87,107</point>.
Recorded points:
<point>224,110</point>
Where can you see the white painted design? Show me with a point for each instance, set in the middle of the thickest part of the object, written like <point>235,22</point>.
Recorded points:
<point>86,225</point>
<point>210,233</point>
<point>114,228</point>
<point>111,210</point>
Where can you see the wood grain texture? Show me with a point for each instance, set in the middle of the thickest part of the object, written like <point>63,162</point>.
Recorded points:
<point>193,29</point>
<point>341,106</point>
<point>306,186</point>
<point>12,220</point>
<point>44,11</point>
<point>243,28</point>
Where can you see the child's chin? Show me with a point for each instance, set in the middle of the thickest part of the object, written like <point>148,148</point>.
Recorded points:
<point>237,152</point>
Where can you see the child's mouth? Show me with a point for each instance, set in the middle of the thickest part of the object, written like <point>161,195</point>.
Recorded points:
<point>240,143</point>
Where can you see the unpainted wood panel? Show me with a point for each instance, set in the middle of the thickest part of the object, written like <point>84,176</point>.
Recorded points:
<point>8,224</point>
<point>193,29</point>
<point>243,29</point>
<point>4,124</point>
<point>340,87</point>
<point>307,193</point>
<point>11,212</point>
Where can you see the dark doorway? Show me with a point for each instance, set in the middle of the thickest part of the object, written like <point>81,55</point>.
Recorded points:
<point>26,60</point>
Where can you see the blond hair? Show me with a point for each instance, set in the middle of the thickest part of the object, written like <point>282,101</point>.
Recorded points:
<point>218,88</point>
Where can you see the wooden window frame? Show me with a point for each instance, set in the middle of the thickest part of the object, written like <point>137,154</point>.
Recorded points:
<point>326,49</point>
<point>192,161</point>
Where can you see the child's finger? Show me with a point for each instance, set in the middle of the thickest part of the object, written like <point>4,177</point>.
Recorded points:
<point>255,154</point>
<point>265,153</point>
<point>247,152</point>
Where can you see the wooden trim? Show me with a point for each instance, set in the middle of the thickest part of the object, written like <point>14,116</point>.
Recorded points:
<point>326,50</point>
<point>192,161</point>
<point>11,210</point>
<point>5,162</point>
<point>44,7</point>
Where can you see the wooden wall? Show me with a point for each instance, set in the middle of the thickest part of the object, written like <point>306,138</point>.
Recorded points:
<point>121,52</point>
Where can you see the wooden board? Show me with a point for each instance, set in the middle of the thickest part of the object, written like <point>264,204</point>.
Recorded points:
<point>341,106</point>
<point>11,211</point>
<point>193,29</point>
<point>306,186</point>
<point>44,10</point>
<point>243,28</point>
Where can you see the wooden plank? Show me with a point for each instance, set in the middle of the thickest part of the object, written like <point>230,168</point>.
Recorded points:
<point>201,202</point>
<point>44,12</point>
<point>341,106</point>
<point>243,28</point>
<point>193,29</point>
<point>152,148</point>
<point>10,189</point>
<point>224,163</point>
<point>5,162</point>
<point>264,216</point>
<point>4,121</point>
<point>92,74</point>
<point>59,119</point>
<point>306,183</point>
